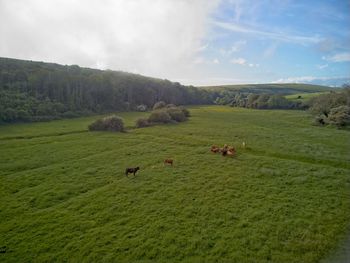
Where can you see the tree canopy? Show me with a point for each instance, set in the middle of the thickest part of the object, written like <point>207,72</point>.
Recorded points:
<point>32,91</point>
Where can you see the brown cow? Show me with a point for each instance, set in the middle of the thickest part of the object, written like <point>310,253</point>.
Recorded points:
<point>169,161</point>
<point>224,150</point>
<point>231,153</point>
<point>215,149</point>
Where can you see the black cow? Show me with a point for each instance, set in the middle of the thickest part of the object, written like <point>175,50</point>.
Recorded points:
<point>131,170</point>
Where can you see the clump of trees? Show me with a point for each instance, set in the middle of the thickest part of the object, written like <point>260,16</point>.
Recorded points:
<point>332,108</point>
<point>257,101</point>
<point>110,123</point>
<point>163,114</point>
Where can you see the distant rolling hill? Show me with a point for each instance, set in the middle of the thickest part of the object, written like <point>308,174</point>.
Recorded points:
<point>285,89</point>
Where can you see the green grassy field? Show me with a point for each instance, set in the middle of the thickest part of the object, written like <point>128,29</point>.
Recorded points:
<point>285,198</point>
<point>273,88</point>
<point>304,96</point>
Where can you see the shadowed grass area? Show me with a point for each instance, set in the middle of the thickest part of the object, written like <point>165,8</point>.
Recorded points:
<point>284,198</point>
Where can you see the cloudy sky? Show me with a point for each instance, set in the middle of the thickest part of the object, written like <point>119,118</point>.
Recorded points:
<point>198,42</point>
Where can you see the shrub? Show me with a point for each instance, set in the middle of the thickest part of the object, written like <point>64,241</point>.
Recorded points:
<point>339,116</point>
<point>164,115</point>
<point>142,122</point>
<point>320,120</point>
<point>159,105</point>
<point>176,114</point>
<point>170,106</point>
<point>141,107</point>
<point>185,111</point>
<point>111,123</point>
<point>159,116</point>
<point>323,103</point>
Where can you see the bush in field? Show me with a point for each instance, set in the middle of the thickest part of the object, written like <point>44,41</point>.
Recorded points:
<point>323,103</point>
<point>159,105</point>
<point>167,114</point>
<point>159,116</point>
<point>339,116</point>
<point>176,114</point>
<point>185,111</point>
<point>142,122</point>
<point>332,108</point>
<point>141,107</point>
<point>111,123</point>
<point>170,106</point>
<point>320,120</point>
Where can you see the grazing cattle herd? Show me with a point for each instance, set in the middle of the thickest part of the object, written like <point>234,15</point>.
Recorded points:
<point>225,151</point>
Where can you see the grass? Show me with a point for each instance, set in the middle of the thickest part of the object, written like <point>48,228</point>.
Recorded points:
<point>304,96</point>
<point>282,88</point>
<point>64,195</point>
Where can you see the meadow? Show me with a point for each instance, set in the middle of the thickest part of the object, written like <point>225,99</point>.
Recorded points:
<point>304,97</point>
<point>283,198</point>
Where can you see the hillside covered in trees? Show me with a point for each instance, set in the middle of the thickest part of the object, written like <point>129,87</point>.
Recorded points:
<point>32,91</point>
<point>36,91</point>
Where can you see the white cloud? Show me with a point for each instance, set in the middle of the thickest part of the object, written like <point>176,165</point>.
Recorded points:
<point>243,62</point>
<point>281,36</point>
<point>237,9</point>
<point>202,60</point>
<point>322,66</point>
<point>340,57</point>
<point>236,47</point>
<point>239,61</point>
<point>158,38</point>
<point>214,81</point>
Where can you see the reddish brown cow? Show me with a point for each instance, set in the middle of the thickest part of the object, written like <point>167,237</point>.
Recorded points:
<point>215,149</point>
<point>231,153</point>
<point>169,161</point>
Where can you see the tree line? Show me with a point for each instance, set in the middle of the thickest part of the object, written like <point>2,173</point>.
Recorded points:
<point>257,101</point>
<point>31,91</point>
<point>35,91</point>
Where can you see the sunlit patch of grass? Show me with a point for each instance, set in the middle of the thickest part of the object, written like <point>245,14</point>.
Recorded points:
<point>304,96</point>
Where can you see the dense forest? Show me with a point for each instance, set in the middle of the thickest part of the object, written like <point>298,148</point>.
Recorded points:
<point>32,91</point>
